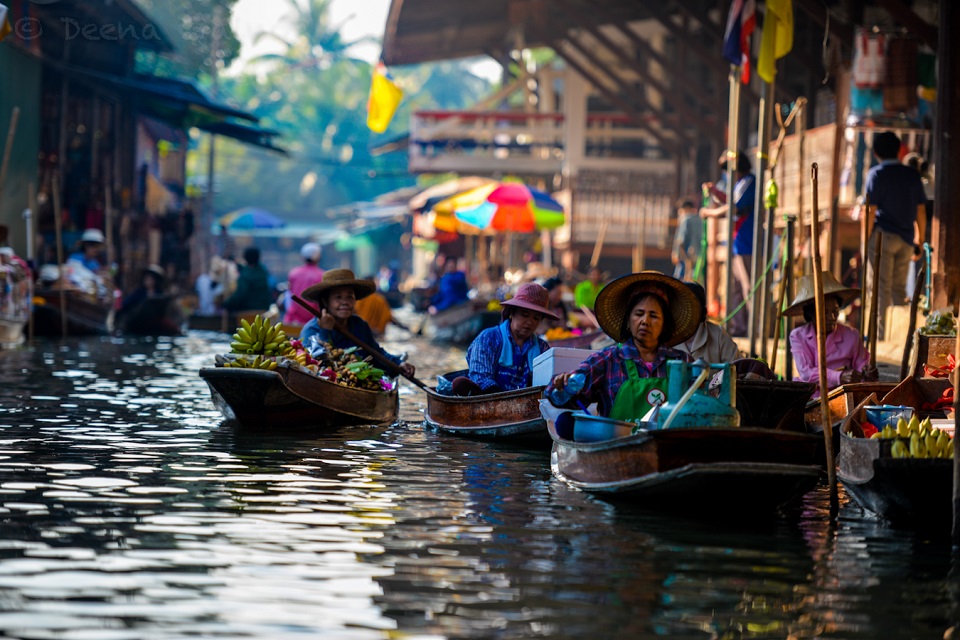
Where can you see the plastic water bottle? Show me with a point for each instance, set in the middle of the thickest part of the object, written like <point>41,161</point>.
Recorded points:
<point>574,385</point>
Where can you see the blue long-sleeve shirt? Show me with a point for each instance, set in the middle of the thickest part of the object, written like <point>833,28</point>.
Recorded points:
<point>483,359</point>
<point>451,290</point>
<point>313,336</point>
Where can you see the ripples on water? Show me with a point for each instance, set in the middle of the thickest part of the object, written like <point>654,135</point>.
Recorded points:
<point>129,511</point>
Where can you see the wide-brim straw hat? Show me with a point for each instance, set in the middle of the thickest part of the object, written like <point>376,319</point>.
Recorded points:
<point>611,305</point>
<point>831,287</point>
<point>530,296</point>
<point>339,278</point>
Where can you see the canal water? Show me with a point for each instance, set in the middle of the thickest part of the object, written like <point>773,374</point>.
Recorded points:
<point>130,511</point>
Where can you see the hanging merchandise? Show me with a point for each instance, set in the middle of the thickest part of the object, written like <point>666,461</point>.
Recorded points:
<point>869,59</point>
<point>901,77</point>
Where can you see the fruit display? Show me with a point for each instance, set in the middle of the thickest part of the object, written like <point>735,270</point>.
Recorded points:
<point>939,323</point>
<point>916,439</point>
<point>261,345</point>
<point>557,333</point>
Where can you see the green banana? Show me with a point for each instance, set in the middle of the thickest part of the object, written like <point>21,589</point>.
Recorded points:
<point>245,325</point>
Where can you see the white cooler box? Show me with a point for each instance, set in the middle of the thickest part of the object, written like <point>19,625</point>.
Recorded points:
<point>555,361</point>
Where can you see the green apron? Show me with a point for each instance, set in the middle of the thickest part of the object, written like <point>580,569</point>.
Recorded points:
<point>637,395</point>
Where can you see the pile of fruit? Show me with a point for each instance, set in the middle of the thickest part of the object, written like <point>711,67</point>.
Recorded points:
<point>345,367</point>
<point>916,439</point>
<point>260,345</point>
<point>557,333</point>
<point>940,323</point>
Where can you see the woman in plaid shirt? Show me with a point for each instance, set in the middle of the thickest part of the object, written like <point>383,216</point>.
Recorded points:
<point>647,313</point>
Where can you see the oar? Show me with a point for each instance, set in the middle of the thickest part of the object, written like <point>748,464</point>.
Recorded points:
<point>374,353</point>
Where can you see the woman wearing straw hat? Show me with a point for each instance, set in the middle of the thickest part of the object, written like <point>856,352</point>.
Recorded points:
<point>847,359</point>
<point>336,295</point>
<point>647,313</point>
<point>501,358</point>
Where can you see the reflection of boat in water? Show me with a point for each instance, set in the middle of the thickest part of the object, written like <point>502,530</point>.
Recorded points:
<point>14,303</point>
<point>87,314</point>
<point>729,469</point>
<point>159,316</point>
<point>288,398</point>
<point>509,416</point>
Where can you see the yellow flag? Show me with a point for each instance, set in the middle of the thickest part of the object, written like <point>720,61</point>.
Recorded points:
<point>5,28</point>
<point>385,96</point>
<point>777,39</point>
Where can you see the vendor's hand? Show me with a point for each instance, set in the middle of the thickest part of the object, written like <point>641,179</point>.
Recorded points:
<point>849,376</point>
<point>674,258</point>
<point>707,186</point>
<point>408,369</point>
<point>917,252</point>
<point>326,320</point>
<point>870,374</point>
<point>561,380</point>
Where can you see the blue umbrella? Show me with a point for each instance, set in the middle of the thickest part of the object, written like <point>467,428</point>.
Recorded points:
<point>251,218</point>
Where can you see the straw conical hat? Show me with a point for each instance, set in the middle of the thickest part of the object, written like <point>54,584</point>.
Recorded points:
<point>339,278</point>
<point>831,287</point>
<point>611,306</point>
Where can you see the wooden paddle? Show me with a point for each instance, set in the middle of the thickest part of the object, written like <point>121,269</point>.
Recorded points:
<point>911,330</point>
<point>374,353</point>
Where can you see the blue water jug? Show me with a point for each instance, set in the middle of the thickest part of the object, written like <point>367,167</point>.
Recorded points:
<point>699,408</point>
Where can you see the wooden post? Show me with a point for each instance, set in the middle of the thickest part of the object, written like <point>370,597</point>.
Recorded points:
<point>31,258</point>
<point>598,247</point>
<point>821,339</point>
<point>956,449</point>
<point>8,148</point>
<point>874,311</point>
<point>864,259</point>
<point>58,225</point>
<point>912,325</point>
<point>785,263</point>
<point>108,216</point>
<point>801,165</point>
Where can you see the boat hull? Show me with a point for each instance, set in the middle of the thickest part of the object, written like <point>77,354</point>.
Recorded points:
<point>511,415</point>
<point>86,315</point>
<point>726,469</point>
<point>902,490</point>
<point>583,341</point>
<point>290,399</point>
<point>158,316</point>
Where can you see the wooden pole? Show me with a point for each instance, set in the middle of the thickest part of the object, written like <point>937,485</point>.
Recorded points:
<point>58,226</point>
<point>956,449</point>
<point>598,247</point>
<point>874,296</point>
<point>8,148</point>
<point>786,263</point>
<point>108,216</point>
<point>822,338</point>
<point>864,259</point>
<point>801,165</point>
<point>912,326</point>
<point>31,258</point>
<point>733,146</point>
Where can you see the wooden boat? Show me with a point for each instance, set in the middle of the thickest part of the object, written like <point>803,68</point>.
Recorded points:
<point>223,322</point>
<point>716,469</point>
<point>842,401</point>
<point>774,404</point>
<point>583,341</point>
<point>86,314</point>
<point>904,490</point>
<point>160,316</point>
<point>509,416</point>
<point>462,323</point>
<point>289,398</point>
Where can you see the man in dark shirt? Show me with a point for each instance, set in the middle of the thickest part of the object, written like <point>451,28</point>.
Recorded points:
<point>897,202</point>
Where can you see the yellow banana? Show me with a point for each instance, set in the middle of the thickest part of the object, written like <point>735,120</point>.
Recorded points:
<point>943,443</point>
<point>245,324</point>
<point>899,450</point>
<point>914,424</point>
<point>244,335</point>
<point>889,432</point>
<point>877,435</point>
<point>903,429</point>
<point>932,446</point>
<point>917,450</point>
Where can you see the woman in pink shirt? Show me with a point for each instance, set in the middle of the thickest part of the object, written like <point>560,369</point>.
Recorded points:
<point>847,359</point>
<point>306,275</point>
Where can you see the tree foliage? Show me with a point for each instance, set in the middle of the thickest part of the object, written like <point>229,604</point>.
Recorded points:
<point>190,26</point>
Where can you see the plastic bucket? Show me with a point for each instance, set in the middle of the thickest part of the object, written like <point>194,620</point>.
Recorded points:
<point>887,414</point>
<point>589,428</point>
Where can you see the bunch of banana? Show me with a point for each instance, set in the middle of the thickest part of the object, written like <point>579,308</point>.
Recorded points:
<point>917,439</point>
<point>259,362</point>
<point>259,337</point>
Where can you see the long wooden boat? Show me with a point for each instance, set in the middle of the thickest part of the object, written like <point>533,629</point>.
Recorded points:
<point>462,323</point>
<point>289,398</point>
<point>729,470</point>
<point>509,416</point>
<point>160,316</point>
<point>86,314</point>
<point>582,341</point>
<point>911,491</point>
<point>842,401</point>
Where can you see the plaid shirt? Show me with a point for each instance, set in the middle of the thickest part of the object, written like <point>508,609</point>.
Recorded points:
<point>483,359</point>
<point>606,372</point>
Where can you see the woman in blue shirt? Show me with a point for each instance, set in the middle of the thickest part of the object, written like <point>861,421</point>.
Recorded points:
<point>501,357</point>
<point>336,295</point>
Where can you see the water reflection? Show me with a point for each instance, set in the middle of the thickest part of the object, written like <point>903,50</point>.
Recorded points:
<point>128,509</point>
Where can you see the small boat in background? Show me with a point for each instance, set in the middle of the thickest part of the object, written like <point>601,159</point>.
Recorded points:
<point>159,316</point>
<point>87,314</point>
<point>462,323</point>
<point>583,341</point>
<point>510,416</point>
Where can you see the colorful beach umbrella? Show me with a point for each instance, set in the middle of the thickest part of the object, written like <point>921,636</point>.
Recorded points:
<point>251,218</point>
<point>508,206</point>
